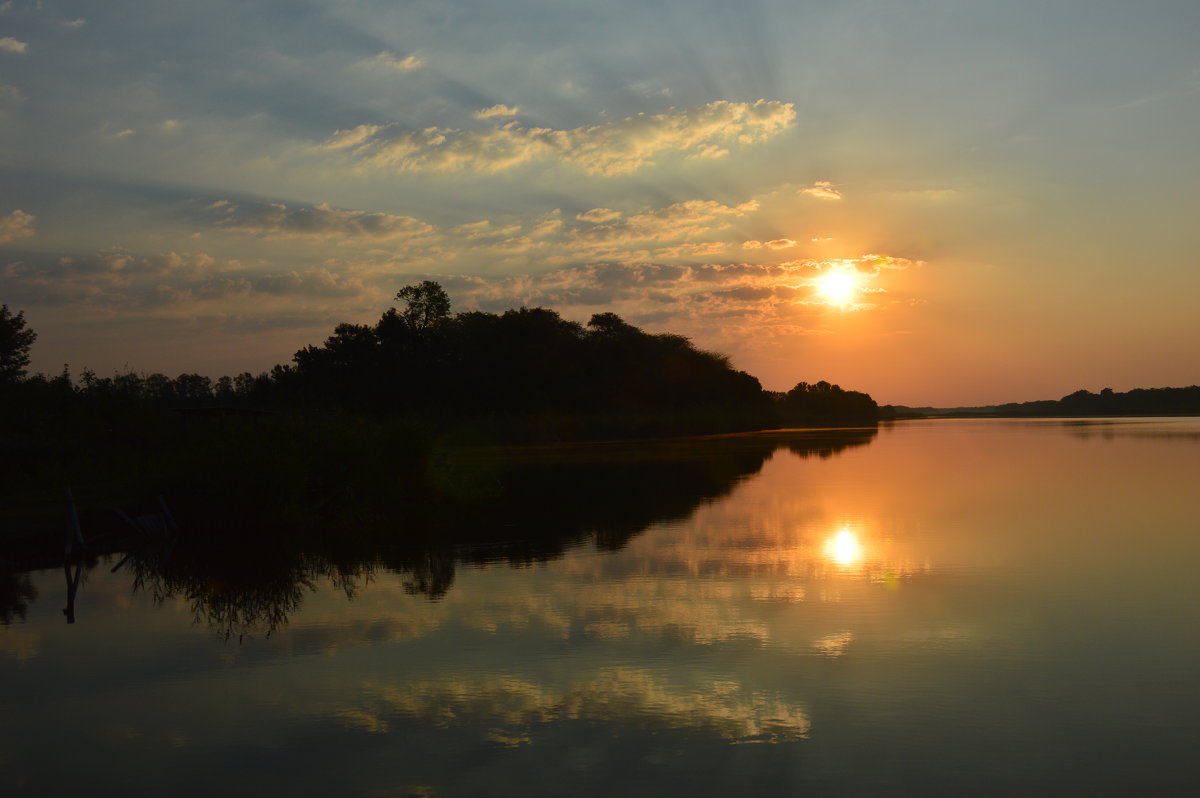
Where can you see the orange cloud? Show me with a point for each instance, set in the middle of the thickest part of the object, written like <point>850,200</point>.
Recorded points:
<point>822,190</point>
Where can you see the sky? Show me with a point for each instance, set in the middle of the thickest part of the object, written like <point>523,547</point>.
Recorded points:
<point>938,202</point>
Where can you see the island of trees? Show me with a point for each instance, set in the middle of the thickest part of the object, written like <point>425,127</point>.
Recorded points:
<point>374,418</point>
<point>523,375</point>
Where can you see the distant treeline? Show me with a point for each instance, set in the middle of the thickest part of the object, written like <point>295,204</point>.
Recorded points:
<point>1137,402</point>
<point>523,375</point>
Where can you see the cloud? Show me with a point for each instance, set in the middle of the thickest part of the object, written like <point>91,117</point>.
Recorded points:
<point>823,190</point>
<point>118,282</point>
<point>781,243</point>
<point>873,264</point>
<point>17,224</point>
<point>513,709</point>
<point>681,220</point>
<point>598,215</point>
<point>10,45</point>
<point>354,137</point>
<point>74,23</point>
<point>386,60</point>
<point>277,220</point>
<point>707,300</point>
<point>612,148</point>
<point>496,111</point>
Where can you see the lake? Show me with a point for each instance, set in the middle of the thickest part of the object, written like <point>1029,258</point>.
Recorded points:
<point>942,607</point>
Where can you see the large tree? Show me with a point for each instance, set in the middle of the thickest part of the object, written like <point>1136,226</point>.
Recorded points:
<point>428,304</point>
<point>15,341</point>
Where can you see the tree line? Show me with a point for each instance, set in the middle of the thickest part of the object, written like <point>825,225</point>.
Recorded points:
<point>526,373</point>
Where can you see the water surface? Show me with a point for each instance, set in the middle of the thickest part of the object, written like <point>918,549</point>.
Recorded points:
<point>974,607</point>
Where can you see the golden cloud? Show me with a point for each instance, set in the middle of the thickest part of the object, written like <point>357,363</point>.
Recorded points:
<point>612,148</point>
<point>680,220</point>
<point>823,190</point>
<point>386,60</point>
<point>496,111</point>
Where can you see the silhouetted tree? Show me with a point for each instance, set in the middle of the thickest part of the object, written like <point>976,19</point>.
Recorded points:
<point>427,304</point>
<point>823,403</point>
<point>15,342</point>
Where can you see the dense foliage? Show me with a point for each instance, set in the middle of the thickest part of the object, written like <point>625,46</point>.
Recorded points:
<point>15,342</point>
<point>375,401</point>
<point>525,374</point>
<point>526,363</point>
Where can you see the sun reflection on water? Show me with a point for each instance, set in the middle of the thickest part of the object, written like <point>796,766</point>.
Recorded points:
<point>844,549</point>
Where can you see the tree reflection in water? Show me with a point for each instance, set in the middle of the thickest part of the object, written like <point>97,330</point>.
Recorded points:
<point>16,594</point>
<point>514,506</point>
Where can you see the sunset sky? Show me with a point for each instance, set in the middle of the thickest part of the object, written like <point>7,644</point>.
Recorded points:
<point>1009,190</point>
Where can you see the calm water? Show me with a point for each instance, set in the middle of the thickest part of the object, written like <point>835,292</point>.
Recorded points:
<point>955,608</point>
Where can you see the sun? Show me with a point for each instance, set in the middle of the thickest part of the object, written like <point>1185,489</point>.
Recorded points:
<point>837,287</point>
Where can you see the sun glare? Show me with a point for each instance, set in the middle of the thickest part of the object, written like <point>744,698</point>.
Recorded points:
<point>837,287</point>
<point>844,548</point>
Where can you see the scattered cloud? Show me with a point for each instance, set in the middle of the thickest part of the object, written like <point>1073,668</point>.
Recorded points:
<point>607,149</point>
<point>118,282</point>
<point>496,111</point>
<point>277,220</point>
<point>781,243</point>
<point>681,220</point>
<point>873,264</point>
<point>822,190</point>
<point>354,137</point>
<point>17,224</point>
<point>74,23</point>
<point>388,61</point>
<point>547,226</point>
<point>10,45</point>
<point>513,709</point>
<point>598,215</point>
<point>688,298</point>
